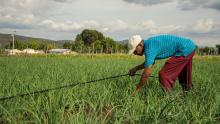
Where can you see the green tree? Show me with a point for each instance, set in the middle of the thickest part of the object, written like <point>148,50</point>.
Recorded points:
<point>78,46</point>
<point>98,46</point>
<point>89,36</point>
<point>67,45</point>
<point>218,46</point>
<point>108,45</point>
<point>17,45</point>
<point>92,41</point>
<point>51,46</point>
<point>43,46</point>
<point>34,45</point>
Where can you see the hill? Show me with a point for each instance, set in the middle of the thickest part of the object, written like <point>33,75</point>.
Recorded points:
<point>7,38</point>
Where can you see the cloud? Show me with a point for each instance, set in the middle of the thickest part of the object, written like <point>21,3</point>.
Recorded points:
<point>204,25</point>
<point>147,27</point>
<point>64,1</point>
<point>17,22</point>
<point>116,26</point>
<point>153,28</point>
<point>193,4</point>
<point>14,26</point>
<point>35,7</point>
<point>205,28</point>
<point>148,2</point>
<point>24,14</point>
<point>182,4</point>
<point>68,25</point>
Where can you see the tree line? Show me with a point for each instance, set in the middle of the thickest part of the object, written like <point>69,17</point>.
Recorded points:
<point>88,41</point>
<point>93,41</point>
<point>208,50</point>
<point>34,44</point>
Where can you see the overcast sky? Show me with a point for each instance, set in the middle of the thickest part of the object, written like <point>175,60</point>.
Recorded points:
<point>119,19</point>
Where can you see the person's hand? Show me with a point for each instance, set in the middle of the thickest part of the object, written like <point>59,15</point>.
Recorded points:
<point>132,71</point>
<point>138,87</point>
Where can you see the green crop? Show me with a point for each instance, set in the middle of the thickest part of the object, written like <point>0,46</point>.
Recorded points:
<point>108,101</point>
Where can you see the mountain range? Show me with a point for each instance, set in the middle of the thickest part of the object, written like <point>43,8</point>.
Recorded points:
<point>5,39</point>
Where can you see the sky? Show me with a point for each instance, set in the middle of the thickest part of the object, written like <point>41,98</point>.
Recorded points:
<point>119,19</point>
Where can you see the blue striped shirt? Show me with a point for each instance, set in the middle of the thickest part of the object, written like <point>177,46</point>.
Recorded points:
<point>164,46</point>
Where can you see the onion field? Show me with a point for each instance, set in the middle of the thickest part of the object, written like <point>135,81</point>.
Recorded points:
<point>107,101</point>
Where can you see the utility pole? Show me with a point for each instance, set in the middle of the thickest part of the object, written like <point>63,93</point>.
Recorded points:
<point>13,40</point>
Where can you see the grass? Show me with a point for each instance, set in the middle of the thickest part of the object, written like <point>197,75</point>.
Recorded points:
<point>107,101</point>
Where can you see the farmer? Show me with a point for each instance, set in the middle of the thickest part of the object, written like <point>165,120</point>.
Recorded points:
<point>179,65</point>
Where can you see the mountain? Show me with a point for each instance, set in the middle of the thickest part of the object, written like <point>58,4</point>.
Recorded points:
<point>7,38</point>
<point>123,42</point>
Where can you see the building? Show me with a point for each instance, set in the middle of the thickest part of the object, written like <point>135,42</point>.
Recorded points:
<point>13,51</point>
<point>60,51</point>
<point>32,51</point>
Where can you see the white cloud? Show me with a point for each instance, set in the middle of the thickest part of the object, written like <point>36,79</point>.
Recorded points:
<point>68,25</point>
<point>147,27</point>
<point>24,7</point>
<point>204,25</point>
<point>117,26</point>
<point>153,28</point>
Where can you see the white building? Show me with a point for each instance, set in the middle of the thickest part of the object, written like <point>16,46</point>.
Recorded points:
<point>60,51</point>
<point>28,51</point>
<point>32,51</point>
<point>13,51</point>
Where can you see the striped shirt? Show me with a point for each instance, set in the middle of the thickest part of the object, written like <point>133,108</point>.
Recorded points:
<point>164,46</point>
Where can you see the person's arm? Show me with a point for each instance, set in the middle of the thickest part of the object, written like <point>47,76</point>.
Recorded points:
<point>140,67</point>
<point>146,73</point>
<point>136,68</point>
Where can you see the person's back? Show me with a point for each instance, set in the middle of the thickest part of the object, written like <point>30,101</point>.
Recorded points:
<point>164,46</point>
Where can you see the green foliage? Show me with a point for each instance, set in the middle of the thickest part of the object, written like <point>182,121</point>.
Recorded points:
<point>92,41</point>
<point>17,45</point>
<point>33,44</point>
<point>90,36</point>
<point>107,101</point>
<point>218,46</point>
<point>51,46</point>
<point>206,51</point>
<point>78,46</point>
<point>67,45</point>
<point>2,50</point>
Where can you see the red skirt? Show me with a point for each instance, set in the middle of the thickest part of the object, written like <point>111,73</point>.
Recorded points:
<point>177,67</point>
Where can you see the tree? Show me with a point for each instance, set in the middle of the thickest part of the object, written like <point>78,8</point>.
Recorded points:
<point>34,45</point>
<point>90,36</point>
<point>67,45</point>
<point>218,46</point>
<point>43,46</point>
<point>78,46</point>
<point>98,46</point>
<point>108,45</point>
<point>17,45</point>
<point>51,46</point>
<point>94,41</point>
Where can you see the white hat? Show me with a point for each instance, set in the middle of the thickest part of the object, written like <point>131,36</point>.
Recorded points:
<point>133,42</point>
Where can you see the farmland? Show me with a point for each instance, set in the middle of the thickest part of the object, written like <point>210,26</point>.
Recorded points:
<point>107,101</point>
